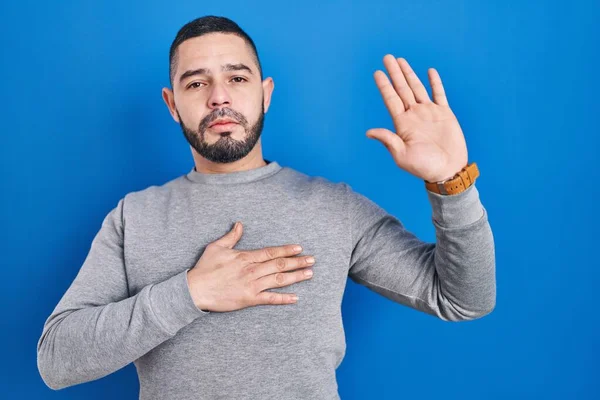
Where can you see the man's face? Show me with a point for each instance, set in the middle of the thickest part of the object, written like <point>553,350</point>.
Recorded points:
<point>216,79</point>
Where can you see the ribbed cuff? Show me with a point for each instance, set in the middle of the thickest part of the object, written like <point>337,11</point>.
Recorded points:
<point>453,211</point>
<point>172,303</point>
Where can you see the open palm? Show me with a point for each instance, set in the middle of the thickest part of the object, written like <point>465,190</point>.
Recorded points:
<point>428,142</point>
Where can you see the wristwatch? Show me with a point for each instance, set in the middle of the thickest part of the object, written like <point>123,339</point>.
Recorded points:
<point>458,183</point>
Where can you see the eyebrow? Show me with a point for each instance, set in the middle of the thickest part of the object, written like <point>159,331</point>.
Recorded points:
<point>206,71</point>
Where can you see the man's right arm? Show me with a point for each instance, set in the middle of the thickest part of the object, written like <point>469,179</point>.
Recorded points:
<point>96,328</point>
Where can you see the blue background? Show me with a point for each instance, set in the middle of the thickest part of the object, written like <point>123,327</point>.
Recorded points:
<point>84,123</point>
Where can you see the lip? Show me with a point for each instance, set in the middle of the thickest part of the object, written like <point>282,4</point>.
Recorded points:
<point>222,123</point>
<point>224,127</point>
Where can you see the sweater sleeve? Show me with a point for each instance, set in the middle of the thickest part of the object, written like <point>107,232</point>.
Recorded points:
<point>452,279</point>
<point>97,328</point>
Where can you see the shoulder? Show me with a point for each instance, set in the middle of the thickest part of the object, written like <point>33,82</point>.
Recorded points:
<point>313,185</point>
<point>328,188</point>
<point>153,197</point>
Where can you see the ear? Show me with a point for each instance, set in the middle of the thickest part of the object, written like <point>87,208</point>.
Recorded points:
<point>268,86</point>
<point>169,98</point>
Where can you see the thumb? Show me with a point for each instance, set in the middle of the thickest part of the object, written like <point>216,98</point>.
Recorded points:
<point>392,142</point>
<point>231,238</point>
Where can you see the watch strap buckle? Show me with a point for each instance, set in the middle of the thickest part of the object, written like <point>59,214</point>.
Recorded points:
<point>442,188</point>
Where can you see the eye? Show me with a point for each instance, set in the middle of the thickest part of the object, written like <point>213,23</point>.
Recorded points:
<point>194,85</point>
<point>239,77</point>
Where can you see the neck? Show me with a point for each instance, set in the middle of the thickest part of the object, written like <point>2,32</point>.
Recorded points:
<point>252,160</point>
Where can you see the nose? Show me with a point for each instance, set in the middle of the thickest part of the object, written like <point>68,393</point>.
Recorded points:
<point>219,97</point>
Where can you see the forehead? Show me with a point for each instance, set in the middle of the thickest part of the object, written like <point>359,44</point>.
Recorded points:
<point>213,49</point>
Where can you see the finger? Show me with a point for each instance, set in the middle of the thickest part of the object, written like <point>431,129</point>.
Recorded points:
<point>269,253</point>
<point>275,298</point>
<point>281,279</point>
<point>279,265</point>
<point>390,97</point>
<point>392,141</point>
<point>399,81</point>
<point>231,238</point>
<point>420,93</point>
<point>437,88</point>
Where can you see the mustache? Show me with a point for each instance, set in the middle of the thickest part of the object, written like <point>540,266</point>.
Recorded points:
<point>222,113</point>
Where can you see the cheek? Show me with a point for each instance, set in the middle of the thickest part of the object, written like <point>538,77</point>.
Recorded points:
<point>191,113</point>
<point>250,106</point>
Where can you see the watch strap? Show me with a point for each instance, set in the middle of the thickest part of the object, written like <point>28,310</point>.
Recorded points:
<point>458,183</point>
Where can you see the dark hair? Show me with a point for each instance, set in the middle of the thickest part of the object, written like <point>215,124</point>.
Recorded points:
<point>201,26</point>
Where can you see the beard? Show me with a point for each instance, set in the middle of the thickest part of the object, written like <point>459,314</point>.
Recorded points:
<point>226,149</point>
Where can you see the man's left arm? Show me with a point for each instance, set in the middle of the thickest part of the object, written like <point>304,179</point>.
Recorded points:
<point>452,279</point>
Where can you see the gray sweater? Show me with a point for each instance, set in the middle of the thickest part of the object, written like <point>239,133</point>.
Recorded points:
<point>130,301</point>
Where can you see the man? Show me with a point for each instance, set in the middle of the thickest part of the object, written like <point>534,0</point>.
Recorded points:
<point>206,310</point>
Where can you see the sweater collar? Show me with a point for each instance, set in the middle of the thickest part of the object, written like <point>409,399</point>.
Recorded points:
<point>246,176</point>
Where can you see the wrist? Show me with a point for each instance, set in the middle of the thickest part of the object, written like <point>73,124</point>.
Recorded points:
<point>443,177</point>
<point>198,302</point>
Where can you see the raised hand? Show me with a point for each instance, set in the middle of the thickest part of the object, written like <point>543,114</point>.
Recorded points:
<point>428,141</point>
